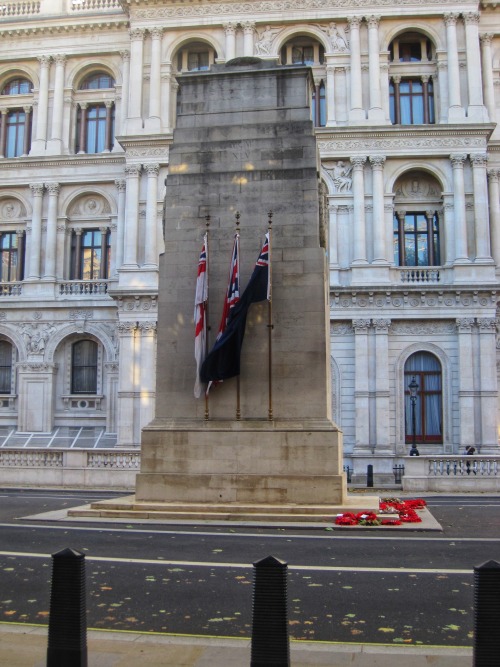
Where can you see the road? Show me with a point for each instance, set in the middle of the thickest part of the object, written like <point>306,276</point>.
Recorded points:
<point>377,586</point>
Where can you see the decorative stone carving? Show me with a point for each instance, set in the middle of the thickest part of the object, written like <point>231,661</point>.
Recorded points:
<point>349,145</point>
<point>341,328</point>
<point>421,328</point>
<point>340,174</point>
<point>416,186</point>
<point>35,336</point>
<point>11,209</point>
<point>81,314</point>
<point>361,326</point>
<point>465,324</point>
<point>90,206</point>
<point>337,37</point>
<point>264,43</point>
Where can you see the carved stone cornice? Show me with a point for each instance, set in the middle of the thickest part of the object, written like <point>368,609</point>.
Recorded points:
<point>394,299</point>
<point>439,141</point>
<point>138,302</point>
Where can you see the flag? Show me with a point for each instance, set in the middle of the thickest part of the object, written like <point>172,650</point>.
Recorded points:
<point>223,361</point>
<point>200,312</point>
<point>233,286</point>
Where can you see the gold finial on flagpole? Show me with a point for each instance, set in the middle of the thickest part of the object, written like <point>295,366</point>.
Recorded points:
<point>237,216</point>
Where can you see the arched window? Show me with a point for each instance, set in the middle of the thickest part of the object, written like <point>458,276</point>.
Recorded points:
<point>411,87</point>
<point>416,238</point>
<point>84,367</point>
<point>95,118</point>
<point>426,369</point>
<point>90,254</point>
<point>97,80</point>
<point>17,86</point>
<point>196,57</point>
<point>302,51</point>
<point>5,367</point>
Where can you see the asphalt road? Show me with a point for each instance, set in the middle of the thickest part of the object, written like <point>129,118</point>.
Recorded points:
<point>376,586</point>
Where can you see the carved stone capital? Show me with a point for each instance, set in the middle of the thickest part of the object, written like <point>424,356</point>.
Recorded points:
<point>53,188</point>
<point>381,325</point>
<point>479,159</point>
<point>377,161</point>
<point>152,169</point>
<point>471,18</point>
<point>37,189</point>
<point>133,170</point>
<point>361,326</point>
<point>358,162</point>
<point>373,21</point>
<point>137,34</point>
<point>450,19</point>
<point>120,184</point>
<point>465,324</point>
<point>457,160</point>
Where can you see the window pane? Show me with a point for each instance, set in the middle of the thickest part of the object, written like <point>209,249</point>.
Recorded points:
<point>5,367</point>
<point>84,367</point>
<point>17,87</point>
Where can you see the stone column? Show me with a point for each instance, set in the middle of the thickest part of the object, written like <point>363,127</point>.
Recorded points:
<point>481,213</point>
<point>442,77</point>
<point>379,256</point>
<point>153,122</point>
<point>39,144</point>
<point>333,235</point>
<point>134,122</point>
<point>125,90</point>
<point>82,140</point>
<point>127,383</point>
<point>166,78</point>
<point>109,126</point>
<point>455,111</point>
<point>131,216</point>
<point>494,200</point>
<point>358,193</point>
<point>51,236</point>
<point>248,37</point>
<point>488,80</point>
<point>54,146</point>
<point>61,233</point>
<point>384,90</point>
<point>475,111</point>
<point>375,112</point>
<point>151,251</point>
<point>330,96</point>
<point>230,31</point>
<point>466,383</point>
<point>117,250</point>
<point>361,387</point>
<point>356,113</point>
<point>489,386</point>
<point>148,371</point>
<point>382,389</point>
<point>3,132</point>
<point>449,228</point>
<point>36,232</point>
<point>460,222</point>
<point>389,225</point>
<point>27,132</point>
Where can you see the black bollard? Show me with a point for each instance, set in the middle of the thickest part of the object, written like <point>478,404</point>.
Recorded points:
<point>270,642</point>
<point>369,476</point>
<point>67,645</point>
<point>486,614</point>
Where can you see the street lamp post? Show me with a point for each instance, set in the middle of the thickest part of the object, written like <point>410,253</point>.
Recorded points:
<point>413,387</point>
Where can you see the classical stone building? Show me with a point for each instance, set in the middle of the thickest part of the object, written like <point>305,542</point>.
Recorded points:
<point>405,104</point>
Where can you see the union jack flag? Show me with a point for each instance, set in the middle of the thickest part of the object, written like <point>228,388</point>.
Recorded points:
<point>233,286</point>
<point>200,311</point>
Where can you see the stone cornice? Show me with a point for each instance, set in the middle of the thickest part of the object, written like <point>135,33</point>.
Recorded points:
<point>415,299</point>
<point>62,26</point>
<point>428,140</point>
<point>66,161</point>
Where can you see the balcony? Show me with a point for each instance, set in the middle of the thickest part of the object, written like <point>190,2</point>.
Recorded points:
<point>83,288</point>
<point>11,289</point>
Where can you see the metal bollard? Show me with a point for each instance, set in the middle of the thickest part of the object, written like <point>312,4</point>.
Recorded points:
<point>486,646</point>
<point>67,645</point>
<point>369,476</point>
<point>270,641</point>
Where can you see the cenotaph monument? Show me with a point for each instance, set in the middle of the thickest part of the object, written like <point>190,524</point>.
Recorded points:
<point>262,444</point>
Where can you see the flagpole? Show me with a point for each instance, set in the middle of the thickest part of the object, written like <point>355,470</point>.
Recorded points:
<point>207,407</point>
<point>238,408</point>
<point>270,322</point>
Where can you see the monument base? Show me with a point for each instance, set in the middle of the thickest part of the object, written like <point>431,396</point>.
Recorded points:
<point>250,461</point>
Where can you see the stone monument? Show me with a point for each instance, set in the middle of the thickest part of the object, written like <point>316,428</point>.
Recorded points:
<point>244,142</point>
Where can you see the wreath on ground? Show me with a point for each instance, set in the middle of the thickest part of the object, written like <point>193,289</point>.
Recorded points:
<point>403,511</point>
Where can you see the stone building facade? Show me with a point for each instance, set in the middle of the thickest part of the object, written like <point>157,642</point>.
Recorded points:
<point>405,104</point>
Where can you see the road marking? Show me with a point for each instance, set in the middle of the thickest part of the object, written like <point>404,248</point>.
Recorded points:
<point>187,563</point>
<point>264,536</point>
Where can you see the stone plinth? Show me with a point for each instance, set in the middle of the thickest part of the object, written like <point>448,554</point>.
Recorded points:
<point>244,142</point>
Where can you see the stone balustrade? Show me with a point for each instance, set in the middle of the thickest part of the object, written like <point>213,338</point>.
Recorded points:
<point>452,473</point>
<point>83,287</point>
<point>81,468</point>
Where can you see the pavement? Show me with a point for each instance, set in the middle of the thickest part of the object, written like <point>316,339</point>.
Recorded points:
<point>26,646</point>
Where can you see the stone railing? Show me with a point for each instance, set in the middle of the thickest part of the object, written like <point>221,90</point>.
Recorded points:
<point>20,8</point>
<point>83,287</point>
<point>90,469</point>
<point>452,473</point>
<point>420,275</point>
<point>11,289</point>
<point>94,5</point>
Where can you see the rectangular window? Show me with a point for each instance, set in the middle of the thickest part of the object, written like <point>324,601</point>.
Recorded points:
<point>84,367</point>
<point>90,255</point>
<point>10,261</point>
<point>5,367</point>
<point>16,127</point>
